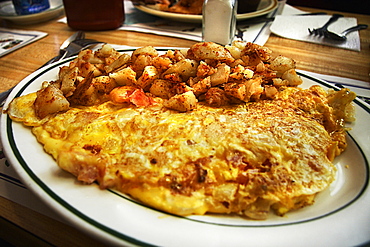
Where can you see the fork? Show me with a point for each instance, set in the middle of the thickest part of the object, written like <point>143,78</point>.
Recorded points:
<point>342,36</point>
<point>324,29</point>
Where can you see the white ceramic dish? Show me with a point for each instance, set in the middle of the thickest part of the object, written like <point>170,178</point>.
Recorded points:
<point>265,7</point>
<point>340,216</point>
<point>7,12</point>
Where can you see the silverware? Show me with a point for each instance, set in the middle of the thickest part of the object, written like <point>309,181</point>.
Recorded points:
<point>271,16</point>
<point>244,25</point>
<point>63,53</point>
<point>324,29</point>
<point>258,20</point>
<point>78,45</point>
<point>62,50</point>
<point>342,36</point>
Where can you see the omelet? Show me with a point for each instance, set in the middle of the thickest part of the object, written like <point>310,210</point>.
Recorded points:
<point>209,129</point>
<point>245,159</point>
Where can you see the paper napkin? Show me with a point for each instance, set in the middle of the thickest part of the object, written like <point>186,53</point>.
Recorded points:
<point>12,39</point>
<point>296,27</point>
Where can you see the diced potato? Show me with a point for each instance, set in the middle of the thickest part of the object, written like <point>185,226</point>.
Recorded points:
<point>241,73</point>
<point>209,50</point>
<point>281,64</point>
<point>234,51</point>
<point>182,102</point>
<point>141,62</point>
<point>254,89</point>
<point>221,75</point>
<point>50,100</point>
<point>278,82</point>
<point>150,73</point>
<point>270,91</point>
<point>202,86</point>
<point>162,63</point>
<point>207,71</point>
<point>186,68</point>
<point>124,77</point>
<point>144,51</point>
<point>236,90</point>
<point>104,84</point>
<point>160,88</point>
<point>216,97</point>
<point>122,60</point>
<point>292,77</point>
<point>106,50</point>
<point>86,68</point>
<point>68,81</point>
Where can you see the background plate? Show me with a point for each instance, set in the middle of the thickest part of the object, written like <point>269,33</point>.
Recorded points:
<point>340,216</point>
<point>7,12</point>
<point>265,7</point>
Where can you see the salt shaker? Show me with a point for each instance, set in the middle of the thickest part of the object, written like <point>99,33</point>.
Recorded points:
<point>219,21</point>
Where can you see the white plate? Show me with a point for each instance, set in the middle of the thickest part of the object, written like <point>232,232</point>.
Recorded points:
<point>340,216</point>
<point>265,7</point>
<point>7,12</point>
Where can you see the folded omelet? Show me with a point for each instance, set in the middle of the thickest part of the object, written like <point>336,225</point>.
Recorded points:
<point>244,159</point>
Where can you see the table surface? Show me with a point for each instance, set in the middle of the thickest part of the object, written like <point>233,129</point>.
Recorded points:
<point>37,229</point>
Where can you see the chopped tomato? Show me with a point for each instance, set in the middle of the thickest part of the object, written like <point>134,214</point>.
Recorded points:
<point>139,98</point>
<point>126,94</point>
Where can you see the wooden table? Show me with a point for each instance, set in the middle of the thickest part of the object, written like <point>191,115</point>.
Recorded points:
<point>21,225</point>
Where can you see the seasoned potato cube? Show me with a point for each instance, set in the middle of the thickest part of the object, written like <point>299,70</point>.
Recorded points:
<point>221,75</point>
<point>50,100</point>
<point>234,51</point>
<point>122,60</point>
<point>182,102</point>
<point>162,63</point>
<point>216,97</point>
<point>254,88</point>
<point>292,77</point>
<point>124,77</point>
<point>68,81</point>
<point>86,68</point>
<point>106,51</point>
<point>202,86</point>
<point>150,73</point>
<point>161,88</point>
<point>144,51</point>
<point>236,90</point>
<point>209,50</point>
<point>104,84</point>
<point>278,82</point>
<point>241,73</point>
<point>270,91</point>
<point>141,62</point>
<point>186,68</point>
<point>281,64</point>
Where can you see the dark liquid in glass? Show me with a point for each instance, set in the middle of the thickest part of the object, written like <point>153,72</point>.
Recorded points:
<point>94,14</point>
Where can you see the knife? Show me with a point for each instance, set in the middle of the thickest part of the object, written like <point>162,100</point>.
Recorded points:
<point>62,52</point>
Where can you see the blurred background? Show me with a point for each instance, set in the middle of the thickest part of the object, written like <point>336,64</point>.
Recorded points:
<point>353,6</point>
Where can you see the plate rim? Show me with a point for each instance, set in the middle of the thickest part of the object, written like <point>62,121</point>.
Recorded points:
<point>121,236</point>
